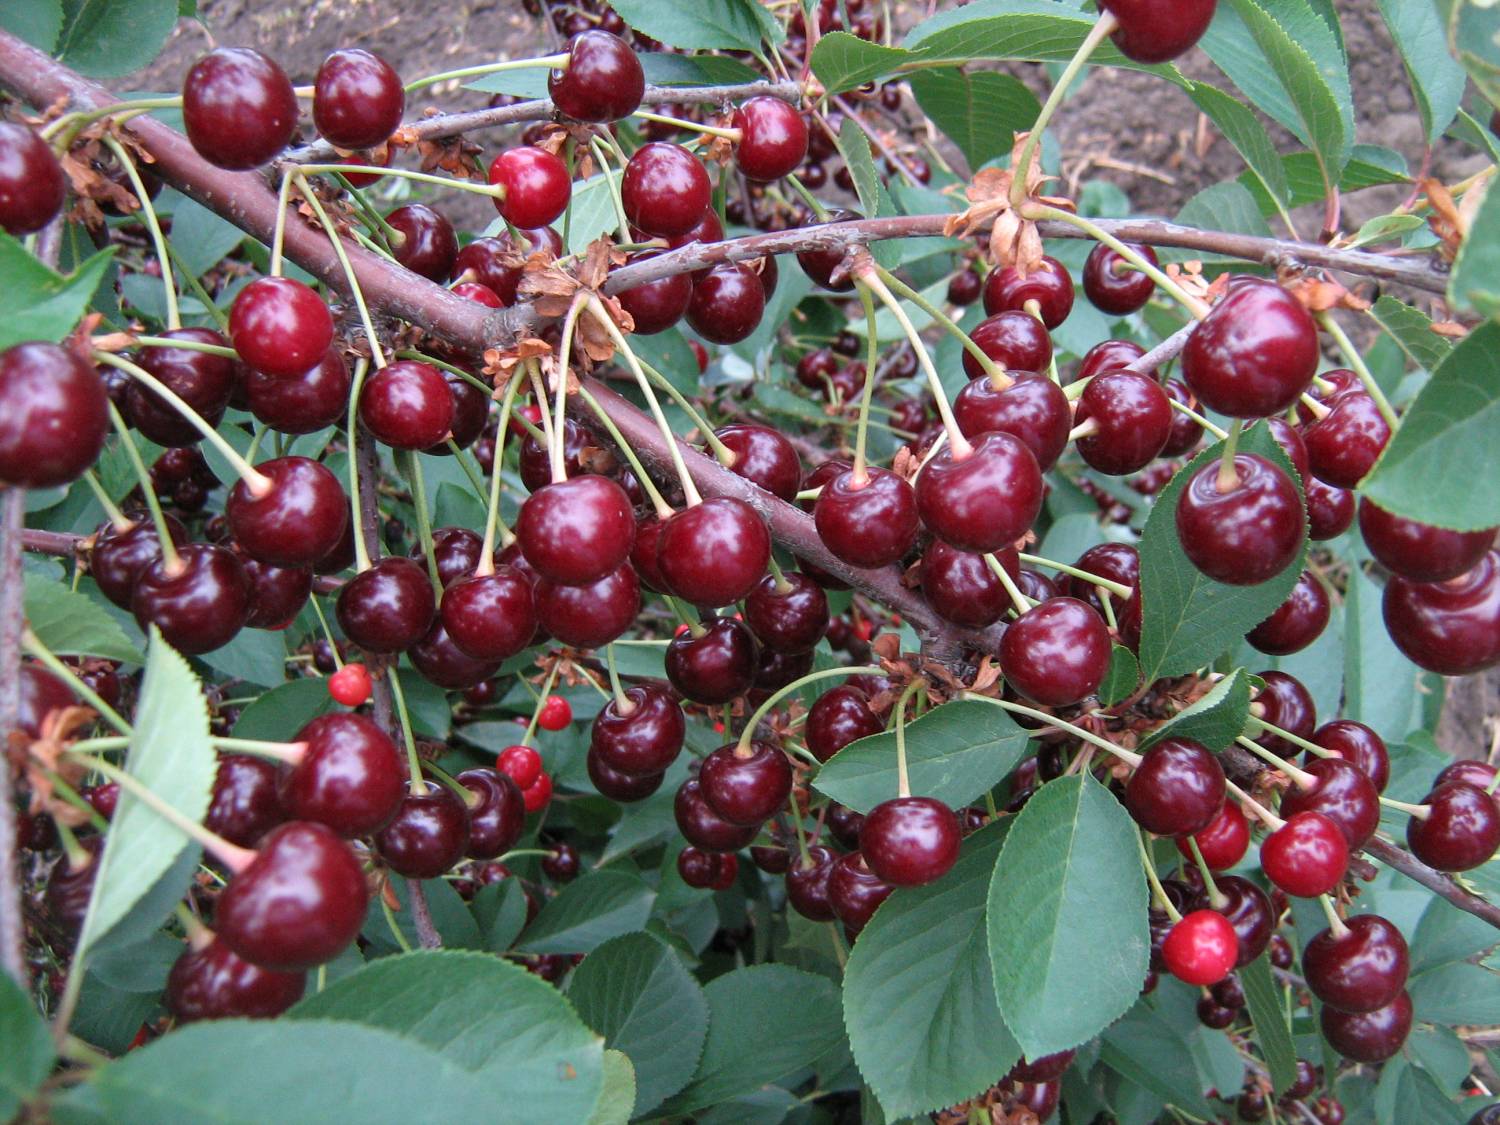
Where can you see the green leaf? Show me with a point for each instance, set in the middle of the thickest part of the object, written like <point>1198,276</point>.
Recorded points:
<point>1188,620</point>
<point>171,755</point>
<point>1473,32</point>
<point>589,912</point>
<point>1041,30</point>
<point>1407,1093</point>
<point>695,70</point>
<point>701,26</point>
<point>1473,284</point>
<point>1229,206</point>
<point>919,998</point>
<point>765,1021</point>
<point>1447,934</point>
<point>257,656</point>
<point>37,22</point>
<point>1384,228</point>
<point>843,61</point>
<point>1269,1017</point>
<point>954,753</point>
<point>201,237</point>
<point>1458,993</point>
<point>480,1015</point>
<point>1243,129</point>
<point>72,624</point>
<point>500,910</point>
<point>1148,1051</point>
<point>1381,686</point>
<point>110,38</point>
<point>40,304</point>
<point>1215,719</point>
<point>980,112</point>
<point>1122,677</point>
<point>634,991</point>
<point>282,712</point>
<point>28,1056</point>
<point>854,147</point>
<point>617,1098</point>
<point>1068,891</point>
<point>1412,330</point>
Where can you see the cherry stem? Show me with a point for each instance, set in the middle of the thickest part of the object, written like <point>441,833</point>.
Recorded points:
<point>1357,362</point>
<point>1229,477</point>
<point>34,648</point>
<point>623,705</point>
<point>361,551</point>
<point>1126,756</point>
<point>376,351</point>
<point>1263,814</point>
<point>658,501</point>
<point>1157,890</point>
<point>1118,589</point>
<point>1087,428</point>
<point>538,392</point>
<point>1216,898</point>
<point>1183,408</point>
<point>148,213</point>
<point>903,779</point>
<point>413,762</point>
<point>778,575</point>
<point>797,826</point>
<point>169,556</point>
<point>747,736</point>
<point>289,752</point>
<point>1335,923</point>
<point>75,855</point>
<point>1421,812</point>
<point>390,921</point>
<point>278,236</point>
<point>492,510</point>
<point>867,394</point>
<point>722,453</point>
<point>612,185</point>
<point>557,62</point>
<point>995,371</point>
<point>106,744</point>
<point>198,934</point>
<point>689,126</point>
<point>333,645</point>
<point>73,123</point>
<point>1312,406</point>
<point>116,517</point>
<point>807,197</point>
<point>1294,739</point>
<point>389,236</point>
<point>424,517</point>
<point>187,345</point>
<point>560,392</point>
<point>220,317</point>
<point>541,699</point>
<point>1018,599</point>
<point>1300,777</point>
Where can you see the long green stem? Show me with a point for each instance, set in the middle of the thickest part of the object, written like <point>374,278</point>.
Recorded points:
<point>1295,739</point>
<point>1229,476</point>
<point>1362,369</point>
<point>653,494</point>
<point>1335,923</point>
<point>808,197</point>
<point>1119,589</point>
<point>872,350</point>
<point>1263,814</point>
<point>1301,778</point>
<point>34,648</point>
<point>722,453</point>
<point>1157,890</point>
<point>278,235</point>
<point>492,511</point>
<point>559,61</point>
<point>903,778</point>
<point>558,448</point>
<point>148,212</point>
<point>1126,756</point>
<point>333,645</point>
<point>622,224</point>
<point>111,509</point>
<point>1018,599</point>
<point>148,492</point>
<point>392,925</point>
<point>357,529</point>
<point>623,705</point>
<point>424,518</point>
<point>688,126</point>
<point>748,735</point>
<point>376,351</point>
<point>290,752</point>
<point>536,711</point>
<point>1216,898</point>
<point>1183,408</point>
<point>220,317</point>
<point>187,346</point>
<point>413,762</point>
<point>995,371</point>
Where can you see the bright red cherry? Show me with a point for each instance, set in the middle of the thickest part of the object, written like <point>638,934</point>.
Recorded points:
<point>351,777</point>
<point>522,764</point>
<point>1250,912</point>
<point>238,107</point>
<point>429,835</point>
<point>1344,794</point>
<point>298,521</point>
<point>539,794</point>
<point>644,740</point>
<point>727,303</point>
<point>1296,622</point>
<point>1048,284</point>
<point>577,531</point>
<point>984,501</point>
<point>388,607</point>
<point>1112,284</point>
<point>713,553</point>
<point>1254,353</point>
<point>1460,831</point>
<point>665,189</point>
<point>1420,552</point>
<point>749,787</point>
<point>32,187</point>
<point>1177,790</point>
<point>498,817</point>
<point>1357,743</point>
<point>592,615</point>
<point>1368,1037</point>
<point>1056,653</point>
<point>358,99</point>
<point>1201,949</point>
<point>910,841</point>
<point>536,187</point>
<point>1224,841</point>
<point>200,605</point>
<point>1343,447</point>
<point>1451,628</point>
<point>54,415</point>
<point>1307,856</point>
<point>555,714</point>
<point>773,138</point>
<point>215,982</point>
<point>1359,970</point>
<point>603,80</point>
<point>350,685</point>
<point>870,523</point>
<point>1247,533</point>
<point>1132,419</point>
<point>280,327</point>
<point>1033,408</point>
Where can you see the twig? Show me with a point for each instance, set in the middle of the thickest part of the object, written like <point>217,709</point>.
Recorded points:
<point>12,954</point>
<point>427,935</point>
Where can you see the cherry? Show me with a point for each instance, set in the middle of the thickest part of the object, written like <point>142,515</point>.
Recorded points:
<point>301,404</point>
<point>644,740</point>
<point>1250,912</point>
<point>70,888</point>
<point>350,685</point>
<point>1479,774</point>
<point>714,666</point>
<point>1110,355</point>
<point>54,415</point>
<point>1330,1111</point>
<point>964,288</point>
<point>118,557</point>
<point>789,616</point>
<point>706,229</point>
<point>1461,829</point>
<point>807,884</point>
<point>855,892</point>
<point>618,786</point>
<point>1296,622</point>
<point>350,777</point>
<point>298,904</point>
<point>1132,418</point>
<point>1156,31</point>
<point>704,828</point>
<point>200,605</point>
<point>1451,628</point>
<point>561,864</point>
<point>1254,353</point>
<point>816,366</point>
<point>429,835</point>
<point>1048,284</point>
<point>1017,341</point>
<point>522,764</point>
<point>771,860</point>
<point>1056,653</point>
<point>773,138</point>
<point>746,788</point>
<point>1286,703</point>
<point>407,405</point>
<point>32,187</point>
<point>1048,1068</point>
<point>280,327</point>
<point>870,523</point>
<point>665,190</point>
<point>298,521</point>
<point>1343,447</point>
<point>388,607</point>
<point>579,453</point>
<point>245,805</point>
<point>643,555</point>
<point>277,593</point>
<point>215,983</point>
<point>443,663</point>
<point>576,531</point>
<point>497,263</point>
<point>456,551</point>
<point>1185,434</point>
<point>961,588</point>
<point>1362,969</point>
<point>536,188</point>
<point>1344,794</point>
<point>603,80</point>
<point>238,108</point>
<point>490,616</point>
<point>1357,743</point>
<point>821,265</point>
<point>713,553</point>
<point>727,302</point>
<point>1033,409</point>
<point>1368,1037</point>
<point>1223,841</point>
<point>657,305</point>
<point>427,245</point>
<point>1177,790</point>
<point>702,870</point>
<point>764,457</point>
<point>1246,534</point>
<point>1112,284</point>
<point>984,501</point>
<point>775,670</point>
<point>1201,949</point>
<point>1419,552</point>
<point>555,713</point>
<point>589,616</point>
<point>205,382</point>
<point>1306,856</point>
<point>910,841</point>
<point>358,99</point>
<point>838,717</point>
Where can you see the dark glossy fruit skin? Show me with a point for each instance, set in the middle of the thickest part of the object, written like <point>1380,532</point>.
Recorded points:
<point>1470,770</point>
<point>1134,420</point>
<point>617,786</point>
<point>118,557</point>
<point>1343,447</point>
<point>1155,31</point>
<point>1362,970</point>
<point>277,593</point>
<point>1359,744</point>
<point>301,404</point>
<point>727,303</point>
<point>238,108</point>
<point>351,776</point>
<point>1254,353</point>
<point>855,892</point>
<point>820,265</point>
<point>358,99</point>
<point>775,670</point>
<point>702,870</point>
<point>713,553</point>
<point>665,189</point>
<point>1368,1037</point>
<point>1307,856</point>
<point>1119,562</point>
<point>280,327</point>
<point>576,531</point>
<point>205,382</point>
<point>1451,628</point>
<point>1017,341</point>
<point>764,457</point>
<point>746,789</point>
<point>773,138</point>
<point>443,663</point>
<point>716,666</point>
<point>536,471</point>
<point>910,841</point>
<point>298,521</point>
<point>807,884</point>
<point>245,805</point>
<point>1461,831</point>
<point>32,187</point>
<point>1056,653</point>
<point>1419,552</point>
<point>961,588</point>
<point>987,500</point>
<point>388,607</point>
<point>1223,841</point>
<point>643,555</point>
<point>1048,1068</point>
<point>1048,284</point>
<point>1185,434</point>
<point>457,551</point>
<point>1118,294</point>
<point>603,80</point>
<point>1244,536</point>
<point>704,828</point>
<point>1033,408</point>
<point>1201,949</point>
<point>492,616</point>
<point>1344,794</point>
<point>1110,355</point>
<point>298,904</point>
<point>1285,702</point>
<point>428,246</point>
<point>838,717</point>
<point>1250,912</point>
<point>1330,511</point>
<point>1297,622</point>
<point>429,835</point>
<point>69,889</point>
<point>589,616</point>
<point>791,620</point>
<point>657,305</point>
<point>216,983</point>
<point>1177,790</point>
<point>54,415</point>
<point>407,405</point>
<point>870,525</point>
<point>644,742</point>
<point>201,607</point>
<point>498,819</point>
<point>537,188</point>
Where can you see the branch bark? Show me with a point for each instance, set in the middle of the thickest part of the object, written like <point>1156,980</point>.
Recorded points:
<point>12,931</point>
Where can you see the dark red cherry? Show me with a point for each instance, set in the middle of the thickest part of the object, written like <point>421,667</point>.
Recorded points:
<point>1110,355</point>
<point>277,593</point>
<point>1343,447</point>
<point>54,415</point>
<point>820,265</point>
<point>699,869</point>
<point>1451,628</point>
<point>1157,31</point>
<point>807,884</point>
<point>297,521</point>
<point>280,327</point>
<point>838,717</point>
<point>1250,912</point>
<point>456,550</point>
<point>238,108</point>
<point>1048,284</point>
<point>713,553</point>
<point>617,786</point>
<point>429,835</point>
<point>1420,552</point>
<point>910,841</point>
<point>1357,743</point>
<point>1307,856</point>
<point>746,788</point>
<point>1200,949</point>
<point>301,404</point>
<point>1461,829</point>
<point>1033,409</point>
<point>704,828</point>
<point>643,555</point>
<point>1048,1068</point>
<point>1185,434</point>
<point>961,587</point>
<point>1056,653</point>
<point>388,607</point>
<point>603,80</point>
<point>1344,794</point>
<point>498,817</point>
<point>216,983</point>
<point>1112,284</point>
<point>443,663</point>
<point>716,665</point>
<point>1479,774</point>
<point>32,187</point>
<point>1223,841</point>
<point>205,382</point>
<point>773,138</point>
<point>867,524</point>
<point>1368,1037</point>
<point>1246,534</point>
<point>775,670</point>
<point>298,904</point>
<point>1296,622</point>
<point>816,366</point>
<point>1291,443</point>
<point>964,288</point>
<point>407,405</point>
<point>536,187</point>
<point>427,245</point>
<point>494,263</point>
<point>536,469</point>
<point>727,303</point>
<point>788,616</point>
<point>764,457</point>
<point>200,605</point>
<point>657,305</point>
<point>1285,702</point>
<point>589,616</point>
<point>70,888</point>
<point>1359,970</point>
<point>1330,511</point>
<point>1017,341</point>
<point>245,805</point>
<point>771,860</point>
<point>984,501</point>
<point>1118,562</point>
<point>492,616</point>
<point>118,557</point>
<point>351,776</point>
<point>576,531</point>
<point>1254,353</point>
<point>665,189</point>
<point>855,892</point>
<point>1132,418</point>
<point>358,99</point>
<point>644,740</point>
<point>1177,790</point>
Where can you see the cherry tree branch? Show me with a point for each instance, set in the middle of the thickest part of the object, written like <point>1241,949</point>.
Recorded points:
<point>12,931</point>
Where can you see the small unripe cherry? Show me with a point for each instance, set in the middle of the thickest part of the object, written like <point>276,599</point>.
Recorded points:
<point>556,713</point>
<point>350,685</point>
<point>1201,949</point>
<point>521,764</point>
<point>539,794</point>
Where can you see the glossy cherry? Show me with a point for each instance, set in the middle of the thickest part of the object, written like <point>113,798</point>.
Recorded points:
<point>1185,433</point>
<point>807,884</point>
<point>297,521</point>
<point>603,80</point>
<point>1033,409</point>
<point>713,553</point>
<point>407,405</point>
<point>910,841</point>
<point>984,501</point>
<point>32,186</point>
<point>522,764</point>
<point>589,616</point>
<point>456,551</point>
<point>491,616</point>
<point>497,816</point>
<point>1296,622</point>
<point>351,777</point>
<point>764,457</point>
<point>1368,1037</point>
<point>1201,949</point>
<point>838,717</point>
<point>727,303</point>
<point>855,892</point>
<point>358,99</point>
<point>1157,31</point>
<point>1246,534</point>
<point>215,982</point>
<point>1254,353</point>
<point>657,305</point>
<point>961,587</point>
<point>1250,912</point>
<point>790,615</point>
<point>1110,355</point>
<point>1177,790</point>
<point>280,327</point>
<point>535,185</point>
<point>54,415</point>
<point>746,788</point>
<point>1223,841</point>
<point>200,605</point>
<point>1048,284</point>
<point>715,665</point>
<point>429,835</point>
<point>867,524</point>
<point>350,685</point>
<point>617,786</point>
<point>443,663</point>
<point>704,828</point>
<point>644,740</point>
<point>821,265</point>
<point>245,805</point>
<point>1112,284</point>
<point>1343,447</point>
<point>1461,829</point>
<point>301,404</point>
<point>1307,856</point>
<point>1344,794</point>
<point>238,108</point>
<point>1056,653</point>
<point>388,607</point>
<point>1017,341</point>
<point>705,871</point>
<point>497,263</point>
<point>427,245</point>
<point>1359,970</point>
<point>118,557</point>
<point>773,138</point>
<point>1451,628</point>
<point>576,531</point>
<point>205,382</point>
<point>277,593</point>
<point>1357,743</point>
<point>1419,552</point>
<point>665,189</point>
<point>1132,421</point>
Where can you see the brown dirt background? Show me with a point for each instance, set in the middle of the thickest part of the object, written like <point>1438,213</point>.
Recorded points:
<point>1129,128</point>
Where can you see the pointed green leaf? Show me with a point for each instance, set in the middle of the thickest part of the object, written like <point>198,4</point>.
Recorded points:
<point>854,147</point>
<point>37,22</point>
<point>1268,1014</point>
<point>40,304</point>
<point>980,112</point>
<point>1412,330</point>
<point>110,38</point>
<point>1381,686</point>
<point>617,1098</point>
<point>1147,1050</point>
<point>1473,284</point>
<point>1243,129</point>
<point>28,1056</point>
<point>701,26</point>
<point>589,912</point>
<point>843,61</point>
<point>1215,720</point>
<point>1121,678</point>
<point>73,624</point>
